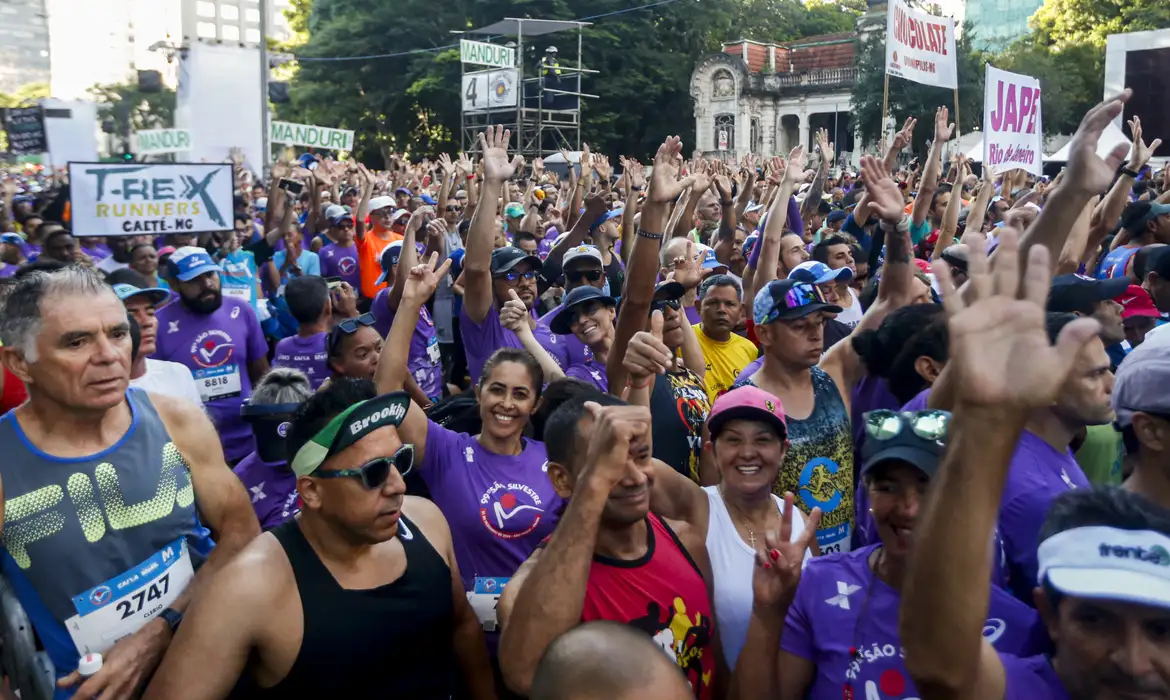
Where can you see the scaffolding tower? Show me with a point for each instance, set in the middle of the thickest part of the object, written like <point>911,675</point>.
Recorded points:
<point>546,115</point>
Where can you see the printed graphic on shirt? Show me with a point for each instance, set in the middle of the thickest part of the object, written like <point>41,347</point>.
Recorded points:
<point>823,479</point>
<point>693,406</point>
<point>682,638</point>
<point>510,511</point>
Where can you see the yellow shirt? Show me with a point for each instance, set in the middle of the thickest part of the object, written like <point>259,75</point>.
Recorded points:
<point>724,360</point>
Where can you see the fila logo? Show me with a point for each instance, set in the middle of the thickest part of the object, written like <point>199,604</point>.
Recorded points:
<point>844,590</point>
<point>174,327</point>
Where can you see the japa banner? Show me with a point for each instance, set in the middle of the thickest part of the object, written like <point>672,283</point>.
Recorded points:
<point>1012,132</point>
<point>108,199</point>
<point>920,47</point>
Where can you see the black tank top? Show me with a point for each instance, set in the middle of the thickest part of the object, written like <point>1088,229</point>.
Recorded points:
<point>393,641</point>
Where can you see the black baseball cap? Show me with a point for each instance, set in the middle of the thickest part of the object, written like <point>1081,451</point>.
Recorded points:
<point>787,300</point>
<point>508,257</point>
<point>1138,214</point>
<point>563,321</point>
<point>906,446</point>
<point>1078,294</point>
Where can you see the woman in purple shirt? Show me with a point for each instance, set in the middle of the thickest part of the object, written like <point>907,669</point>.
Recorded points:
<point>492,487</point>
<point>840,637</point>
<point>265,472</point>
<point>587,314</point>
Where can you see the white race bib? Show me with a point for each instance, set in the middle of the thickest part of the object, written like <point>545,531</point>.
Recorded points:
<point>123,605</point>
<point>433,350</point>
<point>218,382</point>
<point>484,599</point>
<point>242,293</point>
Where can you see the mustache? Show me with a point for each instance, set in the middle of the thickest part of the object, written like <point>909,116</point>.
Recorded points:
<point>1121,681</point>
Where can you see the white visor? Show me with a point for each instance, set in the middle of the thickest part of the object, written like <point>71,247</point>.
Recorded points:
<point>1131,566</point>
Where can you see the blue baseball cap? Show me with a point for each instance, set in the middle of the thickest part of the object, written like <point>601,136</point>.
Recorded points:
<point>188,262</point>
<point>12,238</point>
<point>607,216</point>
<point>749,243</point>
<point>562,323</point>
<point>711,263</point>
<point>813,272</point>
<point>788,300</point>
<point>427,199</point>
<point>403,190</point>
<point>390,257</point>
<point>156,295</point>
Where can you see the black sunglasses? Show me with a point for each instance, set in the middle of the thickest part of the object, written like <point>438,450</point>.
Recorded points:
<point>514,276</point>
<point>578,275</point>
<point>454,209</point>
<point>374,472</point>
<point>662,304</point>
<point>348,327</point>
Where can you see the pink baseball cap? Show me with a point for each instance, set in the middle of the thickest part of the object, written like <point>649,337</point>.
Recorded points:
<point>747,403</point>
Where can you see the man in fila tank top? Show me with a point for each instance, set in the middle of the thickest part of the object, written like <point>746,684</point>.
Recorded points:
<point>358,597</point>
<point>107,492</point>
<point>610,558</point>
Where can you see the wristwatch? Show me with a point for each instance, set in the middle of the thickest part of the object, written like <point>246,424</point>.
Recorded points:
<point>172,617</point>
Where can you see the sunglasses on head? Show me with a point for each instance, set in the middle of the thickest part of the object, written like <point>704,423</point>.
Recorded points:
<point>884,424</point>
<point>513,276</point>
<point>374,472</point>
<point>578,275</point>
<point>348,327</point>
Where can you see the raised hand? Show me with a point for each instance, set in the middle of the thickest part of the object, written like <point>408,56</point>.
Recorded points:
<point>905,136</point>
<point>345,301</point>
<point>423,279</point>
<point>1087,172</point>
<point>616,429</point>
<point>1141,152</point>
<point>646,354</point>
<point>664,183</point>
<point>586,161</point>
<point>604,169</point>
<point>514,314</point>
<point>884,196</point>
<point>827,154</point>
<point>776,171</point>
<point>993,329</point>
<point>537,166</point>
<point>280,170</point>
<point>795,171</point>
<point>635,172</point>
<point>942,127</point>
<point>778,562</point>
<point>446,164</point>
<point>722,187</point>
<point>464,164</point>
<point>688,268</point>
<point>496,166</point>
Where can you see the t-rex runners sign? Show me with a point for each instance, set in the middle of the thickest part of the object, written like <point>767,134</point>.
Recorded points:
<point>124,200</point>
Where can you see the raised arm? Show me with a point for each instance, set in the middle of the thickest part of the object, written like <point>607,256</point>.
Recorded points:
<point>515,317</point>
<point>950,222</point>
<point>551,598</point>
<point>481,236</point>
<point>949,579</point>
<point>979,208</point>
<point>409,256</point>
<point>768,261</point>
<point>642,269</point>
<point>1087,175</point>
<point>813,200</point>
<point>392,372</point>
<point>902,139</point>
<point>363,208</point>
<point>929,184</point>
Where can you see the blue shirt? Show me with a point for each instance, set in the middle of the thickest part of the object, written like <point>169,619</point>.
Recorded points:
<point>308,261</point>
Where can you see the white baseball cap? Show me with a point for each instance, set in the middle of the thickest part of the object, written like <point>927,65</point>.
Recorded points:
<point>381,203</point>
<point>1108,563</point>
<point>580,252</point>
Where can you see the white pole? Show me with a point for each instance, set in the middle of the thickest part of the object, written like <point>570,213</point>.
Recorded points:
<point>266,148</point>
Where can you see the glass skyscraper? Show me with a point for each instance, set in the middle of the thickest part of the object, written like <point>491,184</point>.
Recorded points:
<point>997,23</point>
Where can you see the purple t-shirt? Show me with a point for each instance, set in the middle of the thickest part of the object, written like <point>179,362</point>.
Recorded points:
<point>499,507</point>
<point>591,373</point>
<point>840,604</point>
<point>309,355</point>
<point>217,348</point>
<point>98,252</point>
<point>337,261</point>
<point>31,250</point>
<point>272,487</point>
<point>1031,678</point>
<point>1037,475</point>
<point>572,350</point>
<point>870,394</point>
<point>8,270</point>
<point>693,315</point>
<point>919,402</point>
<point>424,362</point>
<point>753,367</point>
<point>480,340</point>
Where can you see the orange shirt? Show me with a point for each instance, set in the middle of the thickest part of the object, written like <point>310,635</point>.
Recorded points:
<point>370,260</point>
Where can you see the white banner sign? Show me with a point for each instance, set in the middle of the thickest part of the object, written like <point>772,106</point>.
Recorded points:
<point>109,199</point>
<point>314,136</point>
<point>1012,133</point>
<point>486,54</point>
<point>489,89</point>
<point>920,47</point>
<point>161,141</point>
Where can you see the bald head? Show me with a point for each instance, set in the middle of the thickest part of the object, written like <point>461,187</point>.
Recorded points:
<point>607,661</point>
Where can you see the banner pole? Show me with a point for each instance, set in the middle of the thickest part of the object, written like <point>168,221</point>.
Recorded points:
<point>885,108</point>
<point>958,122</point>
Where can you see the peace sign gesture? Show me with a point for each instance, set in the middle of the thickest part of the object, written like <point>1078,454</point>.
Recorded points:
<point>778,562</point>
<point>424,279</point>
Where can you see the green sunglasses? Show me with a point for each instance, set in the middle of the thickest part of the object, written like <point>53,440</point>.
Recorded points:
<point>884,424</point>
<point>374,472</point>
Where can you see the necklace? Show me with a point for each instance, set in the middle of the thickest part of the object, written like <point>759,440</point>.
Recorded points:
<point>746,521</point>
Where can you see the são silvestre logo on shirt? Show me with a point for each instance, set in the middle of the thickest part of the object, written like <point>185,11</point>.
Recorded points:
<point>510,511</point>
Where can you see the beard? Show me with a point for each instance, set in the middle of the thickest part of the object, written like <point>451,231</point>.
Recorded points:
<point>207,304</point>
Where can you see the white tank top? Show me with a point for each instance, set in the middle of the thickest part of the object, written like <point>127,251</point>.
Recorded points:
<point>732,564</point>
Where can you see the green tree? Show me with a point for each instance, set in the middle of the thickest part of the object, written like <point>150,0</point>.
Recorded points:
<point>1063,23</point>
<point>1071,79</point>
<point>911,99</point>
<point>132,110</point>
<point>25,95</point>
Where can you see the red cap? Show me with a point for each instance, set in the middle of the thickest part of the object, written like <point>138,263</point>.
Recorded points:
<point>1137,302</point>
<point>922,265</point>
